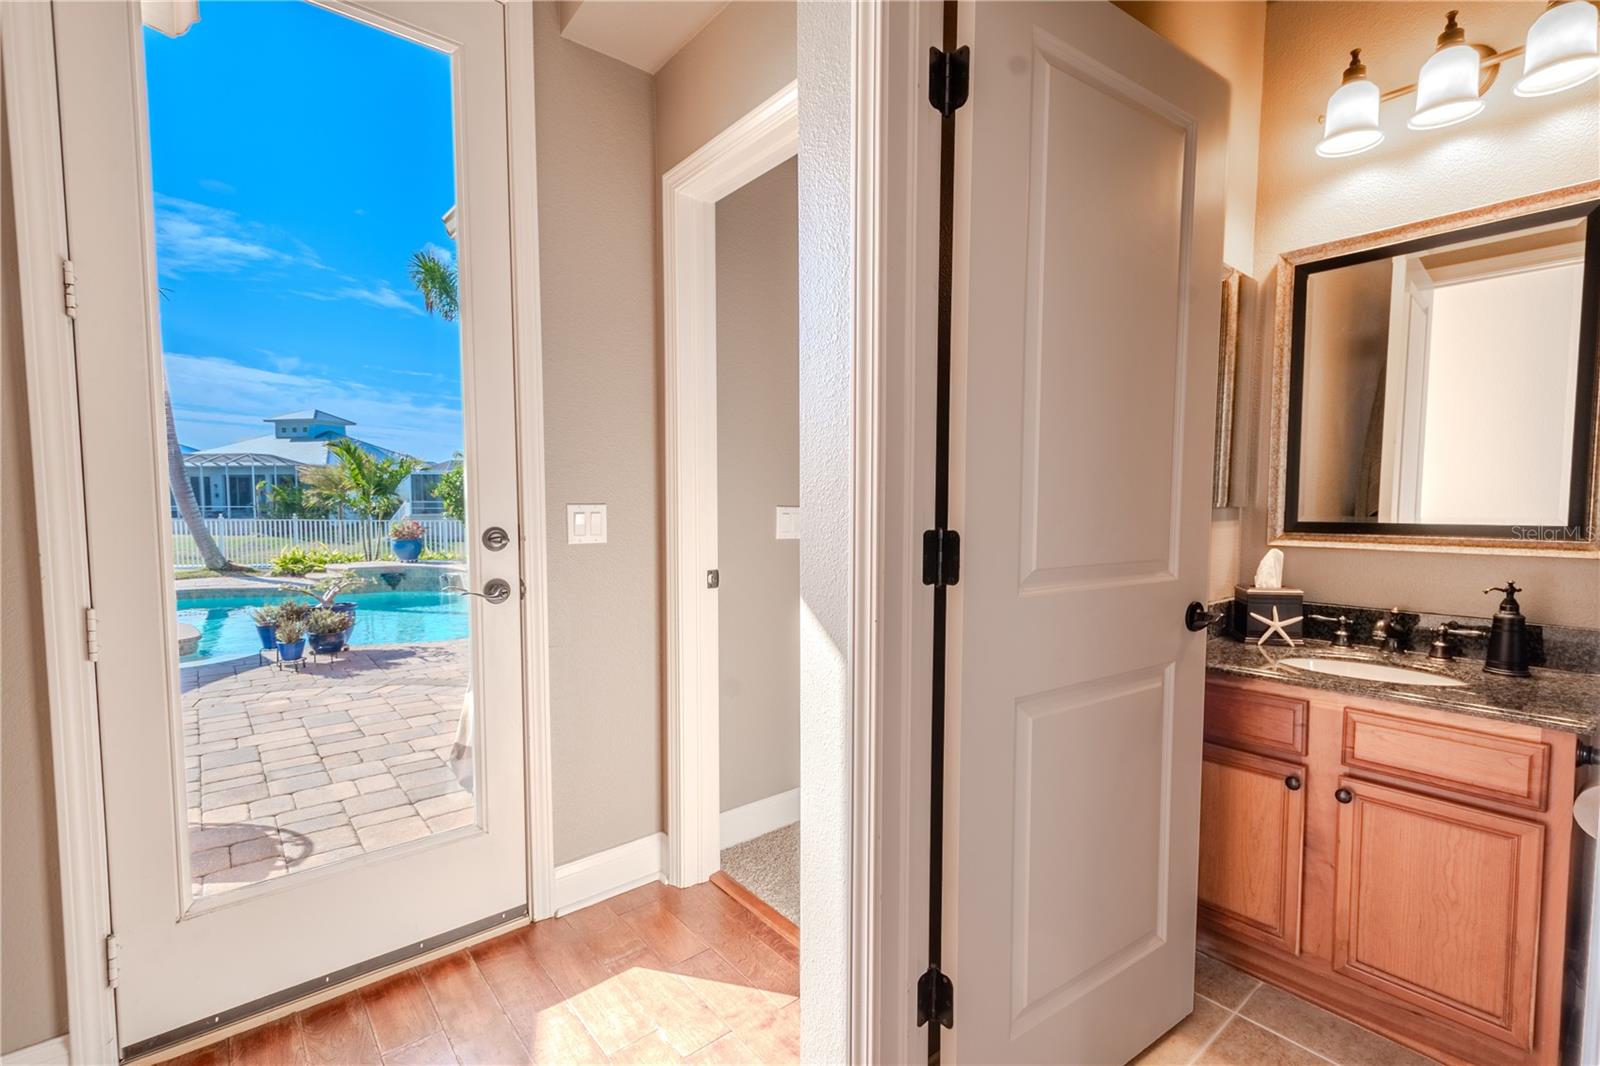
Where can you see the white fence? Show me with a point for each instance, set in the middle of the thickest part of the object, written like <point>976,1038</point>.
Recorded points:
<point>255,541</point>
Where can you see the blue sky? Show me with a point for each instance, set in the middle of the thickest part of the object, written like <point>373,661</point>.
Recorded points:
<point>298,159</point>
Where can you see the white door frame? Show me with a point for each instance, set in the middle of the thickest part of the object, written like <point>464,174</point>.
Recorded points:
<point>27,49</point>
<point>744,151</point>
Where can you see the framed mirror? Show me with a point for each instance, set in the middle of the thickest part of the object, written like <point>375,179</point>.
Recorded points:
<point>1435,385</point>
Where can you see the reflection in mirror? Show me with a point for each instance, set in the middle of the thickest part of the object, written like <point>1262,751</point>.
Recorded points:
<point>1439,386</point>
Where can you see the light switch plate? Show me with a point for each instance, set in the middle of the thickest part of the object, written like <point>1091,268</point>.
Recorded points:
<point>586,523</point>
<point>788,523</point>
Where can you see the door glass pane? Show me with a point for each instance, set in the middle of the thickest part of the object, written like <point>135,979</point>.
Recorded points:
<point>303,168</point>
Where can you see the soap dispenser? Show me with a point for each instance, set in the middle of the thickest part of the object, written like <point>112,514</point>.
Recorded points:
<point>1508,637</point>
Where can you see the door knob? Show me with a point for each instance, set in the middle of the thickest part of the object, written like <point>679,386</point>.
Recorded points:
<point>1196,617</point>
<point>1344,795</point>
<point>1292,783</point>
<point>495,590</point>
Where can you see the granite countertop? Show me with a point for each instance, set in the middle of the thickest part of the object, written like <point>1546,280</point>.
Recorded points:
<point>1550,699</point>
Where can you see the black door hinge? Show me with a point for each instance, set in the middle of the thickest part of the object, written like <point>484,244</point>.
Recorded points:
<point>947,79</point>
<point>941,557</point>
<point>936,998</point>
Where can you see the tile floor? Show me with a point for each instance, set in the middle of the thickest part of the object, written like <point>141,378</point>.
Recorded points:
<point>1239,1021</point>
<point>289,769</point>
<point>657,974</point>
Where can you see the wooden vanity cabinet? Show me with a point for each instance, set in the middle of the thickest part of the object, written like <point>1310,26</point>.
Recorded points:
<point>1404,867</point>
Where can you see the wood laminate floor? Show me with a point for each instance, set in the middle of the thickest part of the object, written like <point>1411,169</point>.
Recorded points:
<point>655,975</point>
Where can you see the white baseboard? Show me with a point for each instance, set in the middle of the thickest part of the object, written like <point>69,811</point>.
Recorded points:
<point>762,816</point>
<point>51,1052</point>
<point>609,873</point>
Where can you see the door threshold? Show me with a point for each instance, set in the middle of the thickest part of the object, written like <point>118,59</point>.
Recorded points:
<point>758,907</point>
<point>205,1032</point>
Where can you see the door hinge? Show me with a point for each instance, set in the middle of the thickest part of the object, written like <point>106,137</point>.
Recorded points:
<point>936,998</point>
<point>113,960</point>
<point>941,557</point>
<point>91,635</point>
<point>947,79</point>
<point>69,288</point>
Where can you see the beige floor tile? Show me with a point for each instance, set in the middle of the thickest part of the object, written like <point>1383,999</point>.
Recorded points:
<point>1180,1043</point>
<point>1243,1043</point>
<point>1218,981</point>
<point>1327,1034</point>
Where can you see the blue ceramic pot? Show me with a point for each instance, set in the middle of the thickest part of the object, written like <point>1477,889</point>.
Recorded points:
<point>407,550</point>
<point>290,652</point>
<point>269,637</point>
<point>327,643</point>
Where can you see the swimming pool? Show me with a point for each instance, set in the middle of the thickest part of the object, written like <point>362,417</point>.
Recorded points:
<point>401,617</point>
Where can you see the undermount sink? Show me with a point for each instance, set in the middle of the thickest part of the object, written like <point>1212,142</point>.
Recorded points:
<point>1368,671</point>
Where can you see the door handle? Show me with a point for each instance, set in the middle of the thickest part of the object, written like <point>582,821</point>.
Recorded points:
<point>1196,617</point>
<point>495,590</point>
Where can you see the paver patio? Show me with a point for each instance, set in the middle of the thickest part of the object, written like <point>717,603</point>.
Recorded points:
<point>291,769</point>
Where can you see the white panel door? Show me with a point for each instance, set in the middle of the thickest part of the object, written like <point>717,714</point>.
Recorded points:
<point>1089,197</point>
<point>277,825</point>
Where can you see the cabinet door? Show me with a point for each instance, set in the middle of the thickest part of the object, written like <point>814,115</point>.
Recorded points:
<point>1252,836</point>
<point>1437,903</point>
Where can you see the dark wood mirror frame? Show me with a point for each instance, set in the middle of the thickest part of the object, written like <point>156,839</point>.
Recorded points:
<point>1580,533</point>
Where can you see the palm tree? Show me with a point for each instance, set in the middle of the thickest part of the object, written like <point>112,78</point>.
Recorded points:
<point>188,508</point>
<point>372,484</point>
<point>435,279</point>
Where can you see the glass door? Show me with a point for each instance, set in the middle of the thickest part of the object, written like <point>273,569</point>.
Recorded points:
<point>296,372</point>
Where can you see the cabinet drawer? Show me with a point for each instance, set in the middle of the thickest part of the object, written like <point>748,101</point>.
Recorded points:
<point>1255,721</point>
<point>1471,762</point>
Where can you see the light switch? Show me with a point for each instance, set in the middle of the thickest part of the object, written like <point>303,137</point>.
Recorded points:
<point>586,523</point>
<point>788,523</point>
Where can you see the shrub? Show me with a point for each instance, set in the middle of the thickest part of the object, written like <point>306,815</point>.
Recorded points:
<point>293,611</point>
<point>265,616</point>
<point>299,560</point>
<point>410,529</point>
<point>324,622</point>
<point>290,630</point>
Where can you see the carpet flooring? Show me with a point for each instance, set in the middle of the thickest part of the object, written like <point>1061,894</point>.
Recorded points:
<point>769,866</point>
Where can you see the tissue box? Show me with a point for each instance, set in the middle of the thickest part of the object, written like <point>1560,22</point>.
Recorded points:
<point>1289,603</point>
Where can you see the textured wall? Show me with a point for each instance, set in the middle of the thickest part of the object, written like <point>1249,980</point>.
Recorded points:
<point>758,469</point>
<point>33,996</point>
<point>597,198</point>
<point>1514,148</point>
<point>826,324</point>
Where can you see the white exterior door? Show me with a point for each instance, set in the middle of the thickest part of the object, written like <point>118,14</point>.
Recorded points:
<point>272,829</point>
<point>1089,191</point>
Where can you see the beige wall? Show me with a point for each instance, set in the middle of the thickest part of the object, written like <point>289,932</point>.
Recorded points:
<point>597,194</point>
<point>1516,147</point>
<point>758,469</point>
<point>33,998</point>
<point>742,57</point>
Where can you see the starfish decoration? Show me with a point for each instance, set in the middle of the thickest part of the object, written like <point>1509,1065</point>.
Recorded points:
<point>1277,625</point>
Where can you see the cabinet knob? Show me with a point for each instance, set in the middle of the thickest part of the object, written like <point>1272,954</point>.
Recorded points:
<point>1344,795</point>
<point>1292,783</point>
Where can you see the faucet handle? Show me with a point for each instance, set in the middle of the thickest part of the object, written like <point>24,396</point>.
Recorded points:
<point>1341,636</point>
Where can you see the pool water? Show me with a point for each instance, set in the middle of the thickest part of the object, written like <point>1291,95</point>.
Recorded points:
<point>405,617</point>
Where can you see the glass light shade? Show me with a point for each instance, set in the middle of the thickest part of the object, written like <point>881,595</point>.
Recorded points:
<point>1447,88</point>
<point>1563,49</point>
<point>1352,122</point>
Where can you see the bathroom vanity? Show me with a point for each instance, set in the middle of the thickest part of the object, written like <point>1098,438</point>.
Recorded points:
<point>1399,854</point>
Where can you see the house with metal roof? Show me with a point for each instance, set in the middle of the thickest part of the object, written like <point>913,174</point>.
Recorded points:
<point>232,480</point>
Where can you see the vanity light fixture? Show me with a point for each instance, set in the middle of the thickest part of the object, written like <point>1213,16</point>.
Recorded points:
<point>1447,88</point>
<point>1352,122</point>
<point>1562,51</point>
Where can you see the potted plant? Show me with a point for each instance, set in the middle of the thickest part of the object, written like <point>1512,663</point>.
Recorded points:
<point>291,636</point>
<point>327,628</point>
<point>266,620</point>
<point>406,539</point>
